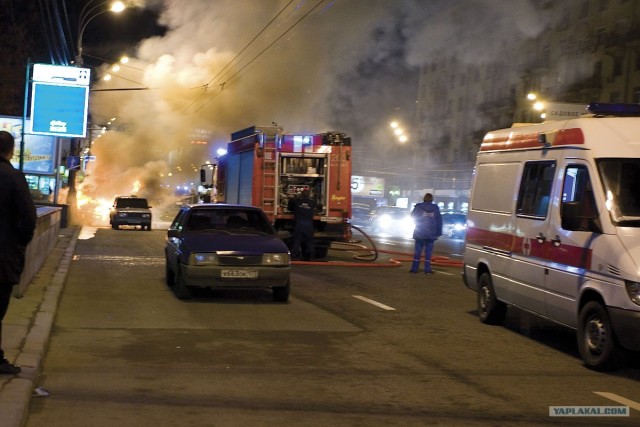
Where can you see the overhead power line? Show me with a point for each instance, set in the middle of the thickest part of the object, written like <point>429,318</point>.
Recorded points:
<point>206,86</point>
<point>250,43</point>
<point>238,74</point>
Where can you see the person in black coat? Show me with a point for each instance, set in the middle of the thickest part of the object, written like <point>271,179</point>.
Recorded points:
<point>303,208</point>
<point>17,224</point>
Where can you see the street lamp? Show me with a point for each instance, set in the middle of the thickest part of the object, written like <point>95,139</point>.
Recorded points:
<point>536,104</point>
<point>87,15</point>
<point>399,132</point>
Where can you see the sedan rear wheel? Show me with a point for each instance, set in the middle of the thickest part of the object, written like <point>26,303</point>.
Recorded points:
<point>169,276</point>
<point>181,289</point>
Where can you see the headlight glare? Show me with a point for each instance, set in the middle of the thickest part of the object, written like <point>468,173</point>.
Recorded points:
<point>203,259</point>
<point>275,259</point>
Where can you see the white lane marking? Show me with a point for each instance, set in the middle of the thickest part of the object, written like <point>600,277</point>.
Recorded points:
<point>619,399</point>
<point>376,303</point>
<point>122,260</point>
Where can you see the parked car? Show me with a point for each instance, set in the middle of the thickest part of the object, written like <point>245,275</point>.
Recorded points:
<point>361,215</point>
<point>393,221</point>
<point>130,210</point>
<point>225,246</point>
<point>454,225</point>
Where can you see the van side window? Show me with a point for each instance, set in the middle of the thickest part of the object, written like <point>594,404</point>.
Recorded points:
<point>535,189</point>
<point>578,206</point>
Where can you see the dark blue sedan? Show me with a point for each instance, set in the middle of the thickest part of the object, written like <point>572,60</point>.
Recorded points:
<point>225,246</point>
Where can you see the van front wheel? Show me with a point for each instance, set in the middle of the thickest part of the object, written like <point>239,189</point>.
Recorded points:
<point>596,342</point>
<point>490,310</point>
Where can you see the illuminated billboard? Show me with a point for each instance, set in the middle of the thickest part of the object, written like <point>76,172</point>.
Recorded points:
<point>59,101</point>
<point>39,151</point>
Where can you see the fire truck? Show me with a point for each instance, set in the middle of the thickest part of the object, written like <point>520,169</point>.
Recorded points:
<point>265,167</point>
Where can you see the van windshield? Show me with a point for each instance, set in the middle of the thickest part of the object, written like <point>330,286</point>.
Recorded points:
<point>621,178</point>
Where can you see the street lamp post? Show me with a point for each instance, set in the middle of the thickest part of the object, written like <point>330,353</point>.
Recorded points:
<point>88,13</point>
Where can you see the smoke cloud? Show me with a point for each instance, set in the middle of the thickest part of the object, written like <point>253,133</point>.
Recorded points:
<point>348,65</point>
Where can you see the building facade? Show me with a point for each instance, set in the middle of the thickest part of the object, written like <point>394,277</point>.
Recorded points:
<point>586,51</point>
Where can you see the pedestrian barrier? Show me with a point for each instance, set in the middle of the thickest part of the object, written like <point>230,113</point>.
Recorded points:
<point>44,240</point>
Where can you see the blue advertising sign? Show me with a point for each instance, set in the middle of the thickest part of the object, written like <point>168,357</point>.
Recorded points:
<point>59,110</point>
<point>39,151</point>
<point>39,154</point>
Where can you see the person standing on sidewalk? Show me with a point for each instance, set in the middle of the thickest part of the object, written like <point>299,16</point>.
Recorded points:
<point>17,224</point>
<point>428,228</point>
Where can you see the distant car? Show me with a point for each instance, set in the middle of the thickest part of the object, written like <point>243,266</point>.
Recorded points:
<point>393,221</point>
<point>130,210</point>
<point>361,215</point>
<point>225,246</point>
<point>454,225</point>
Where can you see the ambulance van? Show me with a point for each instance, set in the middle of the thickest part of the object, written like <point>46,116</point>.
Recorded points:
<point>554,228</point>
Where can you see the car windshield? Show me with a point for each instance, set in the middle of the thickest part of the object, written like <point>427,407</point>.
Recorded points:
<point>229,220</point>
<point>360,211</point>
<point>620,178</point>
<point>132,203</point>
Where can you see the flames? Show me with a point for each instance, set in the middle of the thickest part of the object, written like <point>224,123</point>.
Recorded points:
<point>136,186</point>
<point>93,209</point>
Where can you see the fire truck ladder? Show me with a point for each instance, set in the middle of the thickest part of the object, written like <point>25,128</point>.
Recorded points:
<point>269,190</point>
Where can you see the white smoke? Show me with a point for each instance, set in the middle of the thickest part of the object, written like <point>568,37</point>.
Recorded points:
<point>473,31</point>
<point>322,64</point>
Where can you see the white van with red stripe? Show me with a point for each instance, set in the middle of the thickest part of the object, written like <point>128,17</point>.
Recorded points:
<point>554,228</point>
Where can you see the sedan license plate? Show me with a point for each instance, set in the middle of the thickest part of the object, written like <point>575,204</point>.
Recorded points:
<point>239,274</point>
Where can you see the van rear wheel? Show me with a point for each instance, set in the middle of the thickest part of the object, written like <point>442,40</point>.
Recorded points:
<point>596,341</point>
<point>490,310</point>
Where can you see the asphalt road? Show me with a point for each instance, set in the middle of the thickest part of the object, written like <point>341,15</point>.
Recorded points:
<point>355,346</point>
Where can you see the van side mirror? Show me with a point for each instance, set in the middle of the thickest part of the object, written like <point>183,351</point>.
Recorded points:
<point>203,176</point>
<point>580,216</point>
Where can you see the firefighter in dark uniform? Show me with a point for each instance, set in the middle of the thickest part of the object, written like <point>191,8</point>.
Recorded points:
<point>303,208</point>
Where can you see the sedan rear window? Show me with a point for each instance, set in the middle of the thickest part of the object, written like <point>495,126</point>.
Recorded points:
<point>131,202</point>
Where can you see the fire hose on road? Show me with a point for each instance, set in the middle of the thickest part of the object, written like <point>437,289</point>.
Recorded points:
<point>370,255</point>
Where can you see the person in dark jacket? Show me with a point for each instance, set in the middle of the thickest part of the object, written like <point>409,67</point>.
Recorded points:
<point>303,208</point>
<point>17,224</point>
<point>428,228</point>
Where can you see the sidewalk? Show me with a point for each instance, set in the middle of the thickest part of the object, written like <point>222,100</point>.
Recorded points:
<point>27,327</point>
